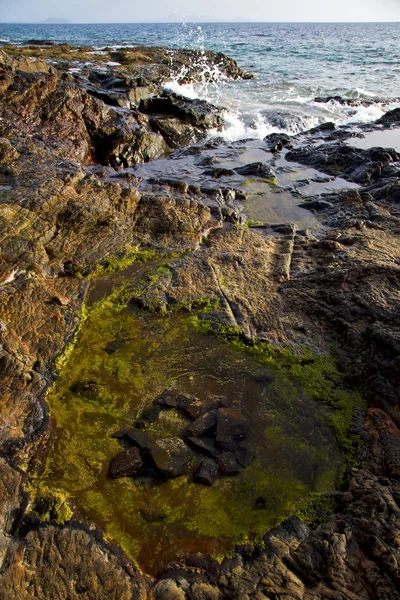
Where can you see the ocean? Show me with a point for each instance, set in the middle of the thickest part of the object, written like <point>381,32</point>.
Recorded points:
<point>293,64</point>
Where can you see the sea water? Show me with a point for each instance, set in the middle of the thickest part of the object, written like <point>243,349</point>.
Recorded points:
<point>293,63</point>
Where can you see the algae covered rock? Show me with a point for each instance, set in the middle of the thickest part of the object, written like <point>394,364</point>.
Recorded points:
<point>171,457</point>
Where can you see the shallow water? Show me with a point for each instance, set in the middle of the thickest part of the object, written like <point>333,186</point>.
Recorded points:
<point>273,201</point>
<point>389,138</point>
<point>158,522</point>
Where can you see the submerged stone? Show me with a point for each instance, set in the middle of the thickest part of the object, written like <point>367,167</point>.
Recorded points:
<point>231,424</point>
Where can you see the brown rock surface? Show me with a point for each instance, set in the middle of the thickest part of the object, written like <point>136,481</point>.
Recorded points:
<point>59,217</point>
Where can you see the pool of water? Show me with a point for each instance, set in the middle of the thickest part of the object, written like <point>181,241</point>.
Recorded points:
<point>157,522</point>
<point>388,138</point>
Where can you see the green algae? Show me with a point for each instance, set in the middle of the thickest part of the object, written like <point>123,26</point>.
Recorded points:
<point>321,376</point>
<point>99,393</point>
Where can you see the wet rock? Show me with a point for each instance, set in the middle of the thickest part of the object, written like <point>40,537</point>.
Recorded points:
<point>149,415</point>
<point>277,141</point>
<point>112,347</point>
<point>243,456</point>
<point>207,472</point>
<point>198,113</point>
<point>190,406</point>
<point>257,169</point>
<point>204,426</point>
<point>139,438</point>
<point>317,204</point>
<point>219,172</point>
<point>361,166</point>
<point>227,464</point>
<point>204,446</point>
<point>391,117</point>
<point>126,464</point>
<point>232,424</point>
<point>171,457</point>
<point>167,399</point>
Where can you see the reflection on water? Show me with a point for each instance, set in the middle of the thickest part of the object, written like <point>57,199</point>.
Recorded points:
<point>158,522</point>
<point>389,138</point>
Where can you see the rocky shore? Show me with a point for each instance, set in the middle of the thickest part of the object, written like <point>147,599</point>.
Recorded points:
<point>80,197</point>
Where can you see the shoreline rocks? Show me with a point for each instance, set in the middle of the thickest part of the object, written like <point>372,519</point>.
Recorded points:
<point>62,214</point>
<point>213,430</point>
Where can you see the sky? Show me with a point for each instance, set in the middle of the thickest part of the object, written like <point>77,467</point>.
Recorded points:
<point>129,11</point>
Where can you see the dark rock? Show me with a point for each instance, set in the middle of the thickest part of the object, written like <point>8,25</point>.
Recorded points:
<point>317,204</point>
<point>243,456</point>
<point>203,445</point>
<point>361,166</point>
<point>390,117</point>
<point>277,141</point>
<point>231,423</point>
<point>225,442</point>
<point>198,113</point>
<point>207,472</point>
<point>112,347</point>
<point>204,426</point>
<point>323,127</point>
<point>170,456</point>
<point>227,464</point>
<point>257,169</point>
<point>219,172</point>
<point>149,415</point>
<point>139,438</point>
<point>126,464</point>
<point>166,399</point>
<point>344,101</point>
<point>190,406</point>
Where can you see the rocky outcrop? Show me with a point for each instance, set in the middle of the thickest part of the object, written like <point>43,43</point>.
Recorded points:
<point>61,215</point>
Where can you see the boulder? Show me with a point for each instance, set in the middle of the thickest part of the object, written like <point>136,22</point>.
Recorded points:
<point>126,464</point>
<point>139,438</point>
<point>256,169</point>
<point>231,424</point>
<point>227,464</point>
<point>390,117</point>
<point>204,426</point>
<point>243,456</point>
<point>203,445</point>
<point>170,456</point>
<point>166,400</point>
<point>207,472</point>
<point>199,113</point>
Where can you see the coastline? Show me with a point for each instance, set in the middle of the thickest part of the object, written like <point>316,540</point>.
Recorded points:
<point>72,197</point>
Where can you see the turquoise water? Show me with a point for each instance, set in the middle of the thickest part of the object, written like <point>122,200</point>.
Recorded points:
<point>292,62</point>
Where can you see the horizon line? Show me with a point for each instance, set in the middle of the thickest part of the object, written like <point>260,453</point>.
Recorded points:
<point>218,21</point>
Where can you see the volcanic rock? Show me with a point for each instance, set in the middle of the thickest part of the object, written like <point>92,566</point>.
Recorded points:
<point>126,464</point>
<point>227,464</point>
<point>170,456</point>
<point>207,472</point>
<point>205,425</point>
<point>257,169</point>
<point>231,424</point>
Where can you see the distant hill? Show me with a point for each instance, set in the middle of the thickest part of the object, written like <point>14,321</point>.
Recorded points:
<point>56,21</point>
